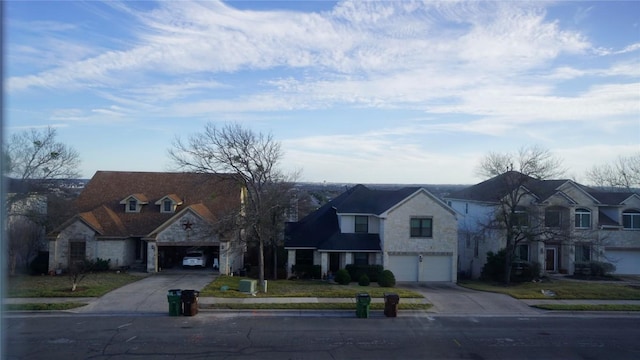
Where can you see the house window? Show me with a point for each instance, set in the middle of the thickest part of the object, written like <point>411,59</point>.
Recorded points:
<point>167,206</point>
<point>133,205</point>
<point>362,224</point>
<point>583,253</point>
<point>520,218</point>
<point>522,253</point>
<point>360,258</point>
<point>631,220</point>
<point>77,251</point>
<point>583,218</point>
<point>304,257</point>
<point>552,218</point>
<point>422,227</point>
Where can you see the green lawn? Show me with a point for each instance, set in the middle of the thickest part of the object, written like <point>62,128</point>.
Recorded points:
<point>311,306</point>
<point>302,288</point>
<point>93,285</point>
<point>564,289</point>
<point>589,307</point>
<point>43,306</point>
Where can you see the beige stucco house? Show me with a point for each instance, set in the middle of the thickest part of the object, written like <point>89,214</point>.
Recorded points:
<point>150,219</point>
<point>408,231</point>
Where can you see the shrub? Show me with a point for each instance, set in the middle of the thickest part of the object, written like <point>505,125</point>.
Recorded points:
<point>372,271</point>
<point>343,277</point>
<point>593,268</point>
<point>363,280</point>
<point>100,265</point>
<point>40,265</point>
<point>521,271</point>
<point>387,279</point>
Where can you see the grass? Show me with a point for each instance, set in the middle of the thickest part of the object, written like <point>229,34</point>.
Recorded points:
<point>93,285</point>
<point>310,306</point>
<point>43,306</point>
<point>301,288</point>
<point>564,289</point>
<point>589,307</point>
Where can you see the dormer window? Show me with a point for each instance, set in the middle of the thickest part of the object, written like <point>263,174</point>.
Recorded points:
<point>133,203</point>
<point>167,206</point>
<point>169,203</point>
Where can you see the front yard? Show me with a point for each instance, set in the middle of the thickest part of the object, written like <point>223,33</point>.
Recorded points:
<point>93,285</point>
<point>563,289</point>
<point>302,288</point>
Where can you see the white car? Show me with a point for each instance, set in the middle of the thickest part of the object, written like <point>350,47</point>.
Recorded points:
<point>194,258</point>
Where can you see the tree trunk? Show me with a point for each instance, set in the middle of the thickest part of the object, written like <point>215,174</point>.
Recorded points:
<point>13,259</point>
<point>507,264</point>
<point>261,263</point>
<point>275,262</point>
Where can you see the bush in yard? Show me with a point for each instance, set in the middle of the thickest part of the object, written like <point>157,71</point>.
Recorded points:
<point>372,271</point>
<point>343,277</point>
<point>387,279</point>
<point>364,280</point>
<point>601,269</point>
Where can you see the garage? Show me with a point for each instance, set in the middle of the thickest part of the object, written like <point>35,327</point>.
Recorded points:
<point>421,268</point>
<point>171,256</point>
<point>627,262</point>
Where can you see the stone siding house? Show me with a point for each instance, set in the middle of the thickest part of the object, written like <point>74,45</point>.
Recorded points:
<point>408,231</point>
<point>150,220</point>
<point>584,224</point>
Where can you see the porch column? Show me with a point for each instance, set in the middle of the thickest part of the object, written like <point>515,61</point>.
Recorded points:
<point>324,263</point>
<point>348,258</point>
<point>152,258</point>
<point>291,261</point>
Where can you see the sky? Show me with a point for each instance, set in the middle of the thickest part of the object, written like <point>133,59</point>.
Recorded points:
<point>402,92</point>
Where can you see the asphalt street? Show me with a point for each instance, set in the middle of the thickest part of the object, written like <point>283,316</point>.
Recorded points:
<point>259,336</point>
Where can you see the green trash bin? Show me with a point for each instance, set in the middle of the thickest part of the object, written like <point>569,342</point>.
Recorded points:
<point>174,297</point>
<point>363,301</point>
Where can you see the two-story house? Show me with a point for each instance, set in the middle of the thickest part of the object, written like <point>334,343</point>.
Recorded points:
<point>408,231</point>
<point>574,223</point>
<point>150,220</point>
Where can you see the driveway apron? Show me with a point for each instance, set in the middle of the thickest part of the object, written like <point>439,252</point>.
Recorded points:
<point>148,295</point>
<point>451,299</point>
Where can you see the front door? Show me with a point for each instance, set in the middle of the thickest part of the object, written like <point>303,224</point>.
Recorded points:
<point>334,262</point>
<point>550,259</point>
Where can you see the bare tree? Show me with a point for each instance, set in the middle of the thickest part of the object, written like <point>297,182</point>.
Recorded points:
<point>33,158</point>
<point>621,175</point>
<point>253,158</point>
<point>36,156</point>
<point>25,238</point>
<point>513,172</point>
<point>533,161</point>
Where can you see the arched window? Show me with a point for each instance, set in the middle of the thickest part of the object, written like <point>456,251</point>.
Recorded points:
<point>583,219</point>
<point>631,219</point>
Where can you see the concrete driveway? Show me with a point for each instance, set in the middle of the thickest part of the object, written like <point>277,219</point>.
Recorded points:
<point>451,299</point>
<point>148,295</point>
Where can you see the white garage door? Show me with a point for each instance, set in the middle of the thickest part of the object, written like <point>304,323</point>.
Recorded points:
<point>435,268</point>
<point>404,267</point>
<point>626,262</point>
<point>432,268</point>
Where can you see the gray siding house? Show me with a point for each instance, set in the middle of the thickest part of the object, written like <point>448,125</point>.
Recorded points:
<point>408,231</point>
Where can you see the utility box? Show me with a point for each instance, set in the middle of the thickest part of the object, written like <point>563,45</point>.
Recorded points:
<point>247,286</point>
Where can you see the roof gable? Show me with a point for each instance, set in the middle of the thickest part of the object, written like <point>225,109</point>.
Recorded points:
<point>209,195</point>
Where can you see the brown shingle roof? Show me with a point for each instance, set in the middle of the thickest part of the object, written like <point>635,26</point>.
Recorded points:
<point>99,203</point>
